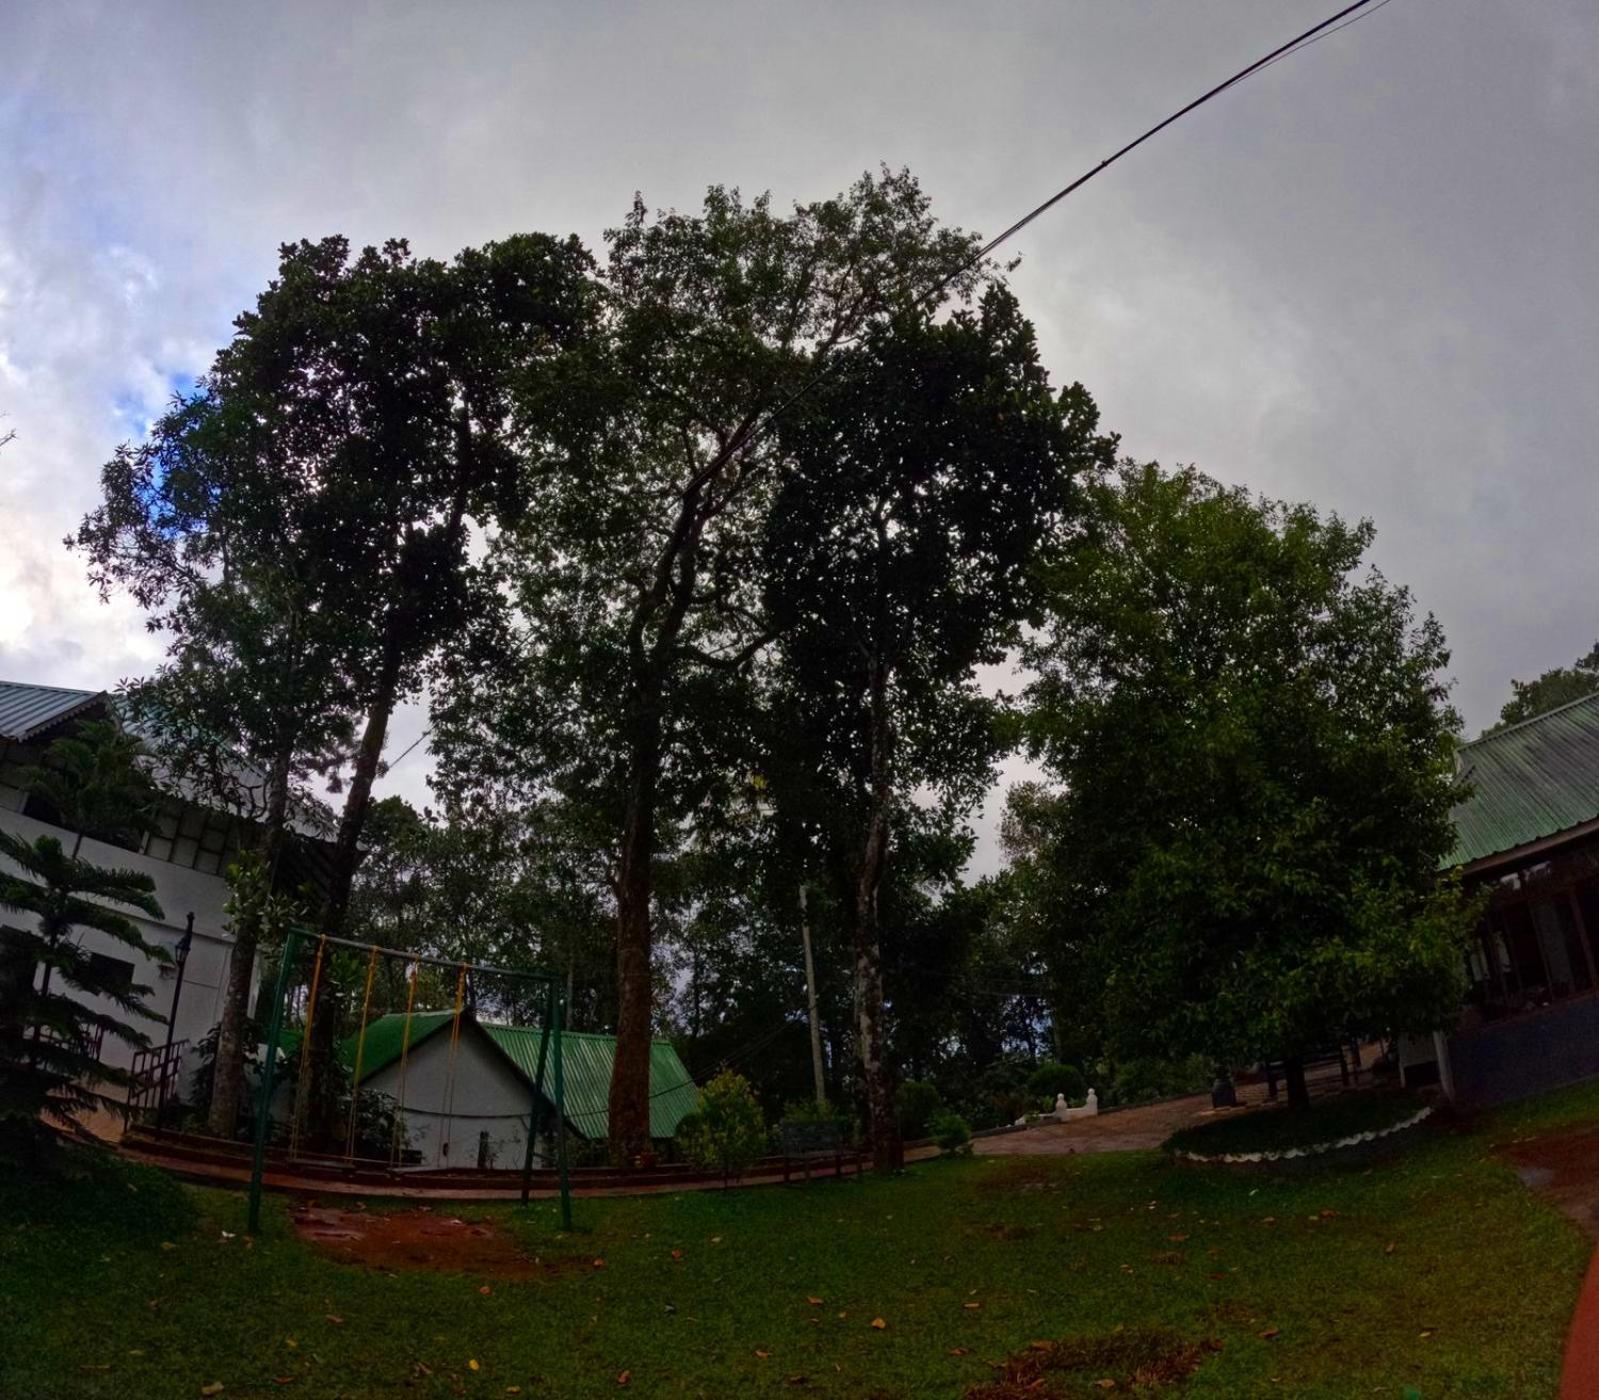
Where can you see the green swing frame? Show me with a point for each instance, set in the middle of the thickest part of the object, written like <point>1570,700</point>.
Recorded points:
<point>550,1057</point>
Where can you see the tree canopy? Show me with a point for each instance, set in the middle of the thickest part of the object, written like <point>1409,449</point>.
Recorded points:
<point>1554,688</point>
<point>1255,758</point>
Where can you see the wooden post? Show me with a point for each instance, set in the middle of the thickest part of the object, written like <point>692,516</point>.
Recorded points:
<point>810,1001</point>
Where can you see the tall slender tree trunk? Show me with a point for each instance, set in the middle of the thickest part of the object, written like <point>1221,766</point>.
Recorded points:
<point>227,1079</point>
<point>1294,1078</point>
<point>871,1040</point>
<point>630,1077</point>
<point>321,1113</point>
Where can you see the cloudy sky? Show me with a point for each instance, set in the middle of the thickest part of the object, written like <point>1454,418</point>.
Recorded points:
<point>1365,278</point>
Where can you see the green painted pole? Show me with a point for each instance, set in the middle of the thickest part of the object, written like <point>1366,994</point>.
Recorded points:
<point>536,1111</point>
<point>560,1116</point>
<point>264,1107</point>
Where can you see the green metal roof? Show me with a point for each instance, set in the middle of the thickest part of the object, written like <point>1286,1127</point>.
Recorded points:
<point>1532,780</point>
<point>586,1067</point>
<point>27,711</point>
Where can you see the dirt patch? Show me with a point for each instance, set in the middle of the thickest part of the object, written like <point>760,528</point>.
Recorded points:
<point>389,1241</point>
<point>1135,1359</point>
<point>1007,1233</point>
<point>1563,1166</point>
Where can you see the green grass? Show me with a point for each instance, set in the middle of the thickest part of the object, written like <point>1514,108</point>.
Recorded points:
<point>1277,1129</point>
<point>1472,1298</point>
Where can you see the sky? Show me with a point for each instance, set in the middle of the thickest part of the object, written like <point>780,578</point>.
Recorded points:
<point>1365,278</point>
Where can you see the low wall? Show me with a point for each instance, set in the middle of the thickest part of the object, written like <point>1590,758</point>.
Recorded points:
<point>1527,1054</point>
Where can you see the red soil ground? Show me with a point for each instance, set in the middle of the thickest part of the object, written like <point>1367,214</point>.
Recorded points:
<point>422,1238</point>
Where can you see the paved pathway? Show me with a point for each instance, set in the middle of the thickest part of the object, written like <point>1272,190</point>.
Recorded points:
<point>1126,1130</point>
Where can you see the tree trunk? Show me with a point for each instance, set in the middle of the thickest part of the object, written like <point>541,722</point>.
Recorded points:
<point>1294,1078</point>
<point>227,1079</point>
<point>630,1077</point>
<point>321,1114</point>
<point>877,1081</point>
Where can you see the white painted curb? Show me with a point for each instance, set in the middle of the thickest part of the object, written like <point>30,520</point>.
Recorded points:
<point>1315,1149</point>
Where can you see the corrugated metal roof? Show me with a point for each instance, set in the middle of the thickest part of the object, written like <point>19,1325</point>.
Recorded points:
<point>586,1067</point>
<point>27,711</point>
<point>1532,780</point>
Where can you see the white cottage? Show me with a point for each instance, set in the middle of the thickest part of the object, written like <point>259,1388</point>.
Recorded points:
<point>468,1104</point>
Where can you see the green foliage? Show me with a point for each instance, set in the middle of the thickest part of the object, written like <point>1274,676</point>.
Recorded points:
<point>728,1133</point>
<point>1556,687</point>
<point>1256,760</point>
<point>917,1102</point>
<point>1052,1078</point>
<point>951,1132</point>
<point>1146,1077</point>
<point>49,1067</point>
<point>94,780</point>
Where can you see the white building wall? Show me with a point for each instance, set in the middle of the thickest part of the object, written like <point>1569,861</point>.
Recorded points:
<point>180,891</point>
<point>488,1096</point>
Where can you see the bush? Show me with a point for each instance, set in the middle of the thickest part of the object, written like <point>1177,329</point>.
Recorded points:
<point>727,1133</point>
<point>951,1133</point>
<point>1052,1078</point>
<point>1145,1078</point>
<point>918,1103</point>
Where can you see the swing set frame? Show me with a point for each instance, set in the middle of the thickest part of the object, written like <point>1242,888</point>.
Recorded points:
<point>295,940</point>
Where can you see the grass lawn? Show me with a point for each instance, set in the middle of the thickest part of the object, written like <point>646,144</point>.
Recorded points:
<point>1433,1274</point>
<point>1278,1129</point>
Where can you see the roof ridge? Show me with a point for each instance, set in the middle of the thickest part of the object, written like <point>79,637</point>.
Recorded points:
<point>1591,697</point>
<point>58,689</point>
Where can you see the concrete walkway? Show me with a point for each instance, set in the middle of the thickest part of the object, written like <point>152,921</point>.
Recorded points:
<point>1125,1130</point>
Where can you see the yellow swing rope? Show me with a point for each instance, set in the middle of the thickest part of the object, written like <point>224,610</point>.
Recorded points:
<point>405,1051</point>
<point>455,1045</point>
<point>360,1054</point>
<point>303,1081</point>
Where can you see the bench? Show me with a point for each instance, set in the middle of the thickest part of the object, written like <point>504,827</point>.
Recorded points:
<point>1346,1055</point>
<point>808,1142</point>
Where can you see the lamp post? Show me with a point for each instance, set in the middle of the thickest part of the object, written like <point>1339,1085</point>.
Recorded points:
<point>184,944</point>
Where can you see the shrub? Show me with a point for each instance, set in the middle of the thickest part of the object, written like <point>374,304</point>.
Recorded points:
<point>1145,1078</point>
<point>951,1133</point>
<point>727,1133</point>
<point>1052,1078</point>
<point>918,1103</point>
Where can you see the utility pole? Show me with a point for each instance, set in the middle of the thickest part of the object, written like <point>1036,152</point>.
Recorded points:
<point>810,997</point>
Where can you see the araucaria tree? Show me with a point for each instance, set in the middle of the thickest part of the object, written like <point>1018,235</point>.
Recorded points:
<point>1255,753</point>
<point>930,470</point>
<point>49,1065</point>
<point>636,582</point>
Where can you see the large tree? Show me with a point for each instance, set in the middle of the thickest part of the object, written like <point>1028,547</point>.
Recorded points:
<point>635,584</point>
<point>931,469</point>
<point>1255,751</point>
<point>301,523</point>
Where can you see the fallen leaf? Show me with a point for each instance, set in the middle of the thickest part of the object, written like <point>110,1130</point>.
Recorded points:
<point>716,1239</point>
<point>284,1380</point>
<point>1389,1248</point>
<point>1042,1346</point>
<point>136,1351</point>
<point>472,1365</point>
<point>167,1244</point>
<point>623,1377</point>
<point>335,1319</point>
<point>485,1290</point>
<point>291,1343</point>
<point>1328,1213</point>
<point>764,1355</point>
<point>878,1323</point>
<point>845,1313</point>
<point>1269,1220</point>
<point>513,1390</point>
<point>1425,1334</point>
<point>960,1351</point>
<point>1176,1239</point>
<point>1269,1334</point>
<point>800,1379</point>
<point>215,1388</point>
<point>971,1307</point>
<point>677,1254</point>
<point>599,1263</point>
<point>422,1368</point>
<point>94,1367</point>
<point>1106,1384</point>
<point>814,1302</point>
